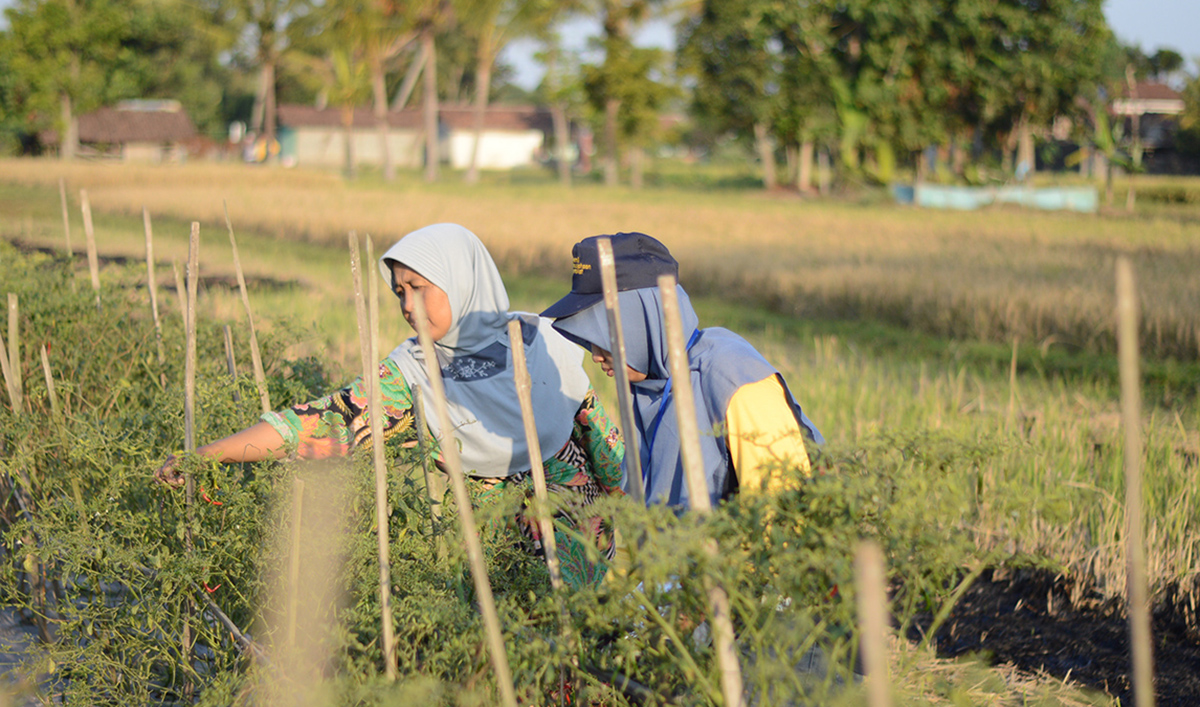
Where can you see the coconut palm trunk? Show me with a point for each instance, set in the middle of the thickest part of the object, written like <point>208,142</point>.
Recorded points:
<point>432,151</point>
<point>483,83</point>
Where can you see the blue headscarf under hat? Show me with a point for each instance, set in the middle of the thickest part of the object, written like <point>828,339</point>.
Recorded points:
<point>720,363</point>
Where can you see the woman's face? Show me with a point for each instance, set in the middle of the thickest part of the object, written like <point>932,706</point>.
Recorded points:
<point>605,359</point>
<point>410,285</point>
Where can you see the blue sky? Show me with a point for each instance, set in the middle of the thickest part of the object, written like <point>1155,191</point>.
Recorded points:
<point>1153,24</point>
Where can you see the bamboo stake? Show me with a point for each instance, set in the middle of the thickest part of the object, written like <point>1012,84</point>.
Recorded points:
<point>62,196</point>
<point>698,496</point>
<point>524,396</point>
<point>260,378</point>
<point>435,483</point>
<point>14,349</point>
<point>14,395</point>
<point>360,306</point>
<point>367,335</point>
<point>466,516</point>
<point>189,424</point>
<point>1012,387</point>
<point>181,290</point>
<point>231,362</point>
<point>152,285</point>
<point>872,621</point>
<point>93,260</point>
<point>189,322</point>
<point>1131,413</point>
<point>54,409</point>
<point>541,497</point>
<point>616,337</point>
<point>381,486</point>
<point>293,589</point>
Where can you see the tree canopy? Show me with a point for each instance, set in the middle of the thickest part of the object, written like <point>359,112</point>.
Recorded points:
<point>876,84</point>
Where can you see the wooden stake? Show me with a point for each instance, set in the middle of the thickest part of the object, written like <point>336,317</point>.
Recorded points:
<point>93,260</point>
<point>872,621</point>
<point>14,395</point>
<point>54,409</point>
<point>14,348</point>
<point>1012,387</point>
<point>1131,414</point>
<point>541,508</point>
<point>189,323</point>
<point>367,336</point>
<point>181,290</point>
<point>62,195</point>
<point>633,455</point>
<point>698,496</point>
<point>466,516</point>
<point>231,362</point>
<point>152,285</point>
<point>189,427</point>
<point>435,481</point>
<point>293,589</point>
<point>541,497</point>
<point>260,378</point>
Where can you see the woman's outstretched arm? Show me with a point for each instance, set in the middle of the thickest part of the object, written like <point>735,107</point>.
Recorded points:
<point>256,443</point>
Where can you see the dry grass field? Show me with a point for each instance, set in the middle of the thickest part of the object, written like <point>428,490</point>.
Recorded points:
<point>992,275</point>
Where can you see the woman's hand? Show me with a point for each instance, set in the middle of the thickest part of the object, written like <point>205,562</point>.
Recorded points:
<point>168,475</point>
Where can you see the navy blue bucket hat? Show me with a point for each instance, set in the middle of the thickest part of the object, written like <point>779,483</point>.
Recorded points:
<point>639,260</point>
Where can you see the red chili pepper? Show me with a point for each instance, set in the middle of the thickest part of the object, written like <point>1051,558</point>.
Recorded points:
<point>206,498</point>
<point>209,589</point>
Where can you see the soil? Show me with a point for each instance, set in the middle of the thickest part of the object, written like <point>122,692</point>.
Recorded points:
<point>1025,618</point>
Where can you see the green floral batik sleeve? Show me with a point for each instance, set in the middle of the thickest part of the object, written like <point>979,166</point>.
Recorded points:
<point>602,441</point>
<point>337,423</point>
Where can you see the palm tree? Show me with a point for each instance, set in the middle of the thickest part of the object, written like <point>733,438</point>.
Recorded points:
<point>346,82</point>
<point>493,24</point>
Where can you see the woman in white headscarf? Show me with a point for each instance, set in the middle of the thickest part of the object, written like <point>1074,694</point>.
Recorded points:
<point>467,312</point>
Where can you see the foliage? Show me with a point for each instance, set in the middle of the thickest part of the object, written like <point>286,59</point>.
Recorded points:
<point>898,76</point>
<point>115,566</point>
<point>1188,137</point>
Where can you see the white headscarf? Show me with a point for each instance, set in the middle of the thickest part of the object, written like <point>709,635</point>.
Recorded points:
<point>475,359</point>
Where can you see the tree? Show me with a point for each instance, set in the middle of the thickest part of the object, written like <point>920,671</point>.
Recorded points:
<point>493,24</point>
<point>731,50</point>
<point>347,83</point>
<point>627,91</point>
<point>562,90</point>
<point>1188,137</point>
<point>176,49</point>
<point>266,30</point>
<point>617,18</point>
<point>372,32</point>
<point>68,56</point>
<point>1036,59</point>
<point>1164,63</point>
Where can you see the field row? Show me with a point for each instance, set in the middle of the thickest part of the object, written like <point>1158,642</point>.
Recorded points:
<point>995,275</point>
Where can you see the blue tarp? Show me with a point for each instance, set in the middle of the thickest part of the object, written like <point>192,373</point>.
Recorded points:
<point>1083,199</point>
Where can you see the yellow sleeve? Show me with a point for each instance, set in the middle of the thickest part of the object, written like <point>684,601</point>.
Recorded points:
<point>763,436</point>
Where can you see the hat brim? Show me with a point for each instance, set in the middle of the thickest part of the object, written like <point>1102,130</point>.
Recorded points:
<point>573,303</point>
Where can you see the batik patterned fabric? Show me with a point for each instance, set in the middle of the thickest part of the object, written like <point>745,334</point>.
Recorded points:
<point>334,425</point>
<point>588,465</point>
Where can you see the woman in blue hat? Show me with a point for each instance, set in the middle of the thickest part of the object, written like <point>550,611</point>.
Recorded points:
<point>751,425</point>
